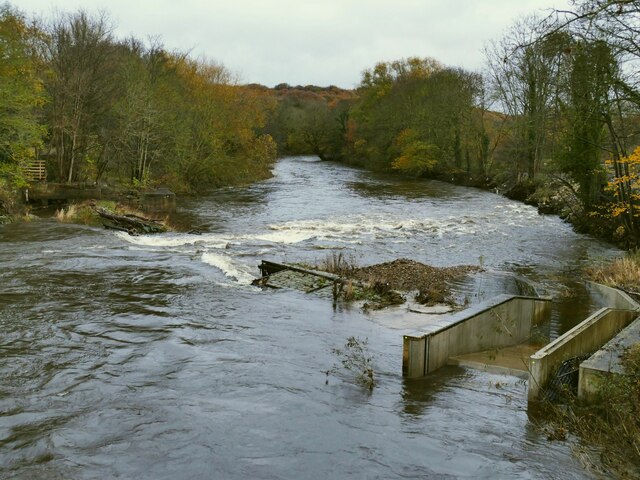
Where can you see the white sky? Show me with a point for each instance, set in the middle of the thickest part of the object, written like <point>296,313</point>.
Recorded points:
<point>316,42</point>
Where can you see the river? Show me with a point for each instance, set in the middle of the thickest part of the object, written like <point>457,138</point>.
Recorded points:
<point>153,357</point>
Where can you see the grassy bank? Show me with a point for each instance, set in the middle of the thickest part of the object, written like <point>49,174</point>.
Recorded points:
<point>622,273</point>
<point>610,422</point>
<point>11,207</point>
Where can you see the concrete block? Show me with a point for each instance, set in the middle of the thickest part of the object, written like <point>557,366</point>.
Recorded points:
<point>606,361</point>
<point>499,322</point>
<point>414,353</point>
<point>612,297</point>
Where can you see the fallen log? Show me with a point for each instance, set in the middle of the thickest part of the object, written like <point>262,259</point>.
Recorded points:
<point>132,224</point>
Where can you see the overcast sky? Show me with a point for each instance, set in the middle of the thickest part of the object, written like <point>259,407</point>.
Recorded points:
<point>316,42</point>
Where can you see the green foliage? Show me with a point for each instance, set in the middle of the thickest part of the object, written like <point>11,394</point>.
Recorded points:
<point>590,78</point>
<point>310,120</point>
<point>418,117</point>
<point>414,156</point>
<point>526,71</point>
<point>122,111</point>
<point>21,95</point>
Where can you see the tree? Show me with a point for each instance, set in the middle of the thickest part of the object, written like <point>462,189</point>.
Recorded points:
<point>316,127</point>
<point>144,114</point>
<point>525,67</point>
<point>21,96</point>
<point>417,116</point>
<point>592,70</point>
<point>82,87</point>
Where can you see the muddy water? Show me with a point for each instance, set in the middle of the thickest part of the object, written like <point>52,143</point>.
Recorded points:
<point>153,357</point>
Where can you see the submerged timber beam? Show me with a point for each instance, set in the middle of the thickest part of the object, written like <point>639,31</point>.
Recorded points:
<point>282,275</point>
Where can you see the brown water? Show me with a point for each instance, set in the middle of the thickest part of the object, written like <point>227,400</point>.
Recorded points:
<point>152,357</point>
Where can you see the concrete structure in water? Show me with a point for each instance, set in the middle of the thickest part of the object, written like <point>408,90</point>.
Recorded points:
<point>506,321</point>
<point>42,193</point>
<point>585,338</point>
<point>499,329</point>
<point>501,322</point>
<point>606,361</point>
<point>280,275</point>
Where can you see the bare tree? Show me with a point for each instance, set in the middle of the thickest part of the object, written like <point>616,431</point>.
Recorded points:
<point>524,72</point>
<point>79,50</point>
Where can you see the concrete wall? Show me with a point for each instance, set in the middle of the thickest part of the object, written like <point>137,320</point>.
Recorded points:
<point>606,361</point>
<point>585,337</point>
<point>500,322</point>
<point>414,356</point>
<point>612,297</point>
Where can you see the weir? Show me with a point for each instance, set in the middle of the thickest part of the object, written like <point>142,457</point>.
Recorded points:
<point>281,275</point>
<point>606,361</point>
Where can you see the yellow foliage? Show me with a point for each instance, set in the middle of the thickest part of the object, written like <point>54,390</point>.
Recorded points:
<point>625,186</point>
<point>415,156</point>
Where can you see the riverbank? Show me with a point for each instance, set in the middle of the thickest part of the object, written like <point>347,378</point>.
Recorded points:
<point>608,425</point>
<point>12,208</point>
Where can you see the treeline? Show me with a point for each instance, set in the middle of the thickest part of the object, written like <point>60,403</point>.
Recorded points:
<point>101,109</point>
<point>553,120</point>
<point>309,119</point>
<point>568,83</point>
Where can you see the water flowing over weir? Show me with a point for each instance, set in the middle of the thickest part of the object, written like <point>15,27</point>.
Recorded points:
<point>154,357</point>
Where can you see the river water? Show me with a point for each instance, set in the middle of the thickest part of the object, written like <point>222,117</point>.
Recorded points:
<point>153,357</point>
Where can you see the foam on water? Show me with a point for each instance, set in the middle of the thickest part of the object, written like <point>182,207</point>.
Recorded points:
<point>287,236</point>
<point>175,240</point>
<point>231,269</point>
<point>350,228</point>
<point>386,229</point>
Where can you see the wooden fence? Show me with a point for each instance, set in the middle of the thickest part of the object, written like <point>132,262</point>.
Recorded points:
<point>36,171</point>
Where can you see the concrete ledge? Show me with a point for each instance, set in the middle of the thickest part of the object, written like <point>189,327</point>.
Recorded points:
<point>500,322</point>
<point>489,368</point>
<point>587,336</point>
<point>513,361</point>
<point>606,361</point>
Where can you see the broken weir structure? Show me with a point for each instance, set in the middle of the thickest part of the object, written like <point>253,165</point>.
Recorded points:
<point>494,335</point>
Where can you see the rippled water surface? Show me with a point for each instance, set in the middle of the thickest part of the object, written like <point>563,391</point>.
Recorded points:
<point>153,357</point>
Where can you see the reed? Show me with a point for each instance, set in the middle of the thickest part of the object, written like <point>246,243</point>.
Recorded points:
<point>621,273</point>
